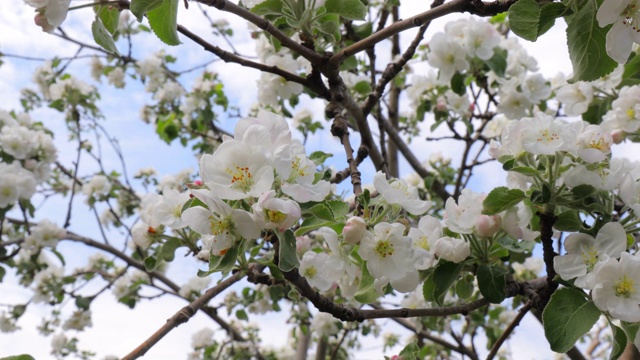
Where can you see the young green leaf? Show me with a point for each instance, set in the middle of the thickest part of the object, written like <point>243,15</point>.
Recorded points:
<point>500,199</point>
<point>567,317</point>
<point>348,9</point>
<point>164,22</point>
<point>619,342</point>
<point>102,37</point>
<point>366,293</point>
<point>445,275</point>
<point>287,253</point>
<point>110,17</point>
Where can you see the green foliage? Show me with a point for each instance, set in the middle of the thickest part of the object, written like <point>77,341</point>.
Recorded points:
<point>164,22</point>
<point>348,9</point>
<point>441,279</point>
<point>366,293</point>
<point>567,317</point>
<point>619,342</point>
<point>169,248</point>
<point>102,37</point>
<point>498,62</point>
<point>287,253</point>
<point>586,40</point>
<point>524,16</point>
<point>222,263</point>
<point>110,17</point>
<point>491,282</point>
<point>501,199</point>
<point>18,357</point>
<point>140,7</point>
<point>268,7</point>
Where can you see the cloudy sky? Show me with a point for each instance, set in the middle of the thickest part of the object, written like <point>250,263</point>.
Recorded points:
<point>116,329</point>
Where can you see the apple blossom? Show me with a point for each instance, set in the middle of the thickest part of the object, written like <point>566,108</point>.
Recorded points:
<point>236,171</point>
<point>219,219</point>
<point>584,253</point>
<point>276,213</point>
<point>423,238</point>
<point>387,252</point>
<point>624,15</point>
<point>50,13</point>
<point>354,230</point>
<point>463,216</point>
<point>398,192</point>
<point>617,287</point>
<point>451,249</point>
<point>446,55</point>
<point>313,268</point>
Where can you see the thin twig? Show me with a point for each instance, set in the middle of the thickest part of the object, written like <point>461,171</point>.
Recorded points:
<point>507,332</point>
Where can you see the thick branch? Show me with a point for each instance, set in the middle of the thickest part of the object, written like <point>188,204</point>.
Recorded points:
<point>547,219</point>
<point>350,313</point>
<point>340,130</point>
<point>183,316</point>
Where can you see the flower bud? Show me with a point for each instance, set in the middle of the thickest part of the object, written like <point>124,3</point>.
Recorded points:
<point>618,136</point>
<point>354,230</point>
<point>487,226</point>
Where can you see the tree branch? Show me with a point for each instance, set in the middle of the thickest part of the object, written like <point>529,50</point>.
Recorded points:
<point>224,5</point>
<point>507,332</point>
<point>183,316</point>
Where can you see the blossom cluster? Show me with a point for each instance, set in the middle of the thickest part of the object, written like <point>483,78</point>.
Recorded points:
<point>26,154</point>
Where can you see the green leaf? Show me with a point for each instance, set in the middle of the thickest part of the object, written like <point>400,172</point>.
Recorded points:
<point>596,110</point>
<point>242,315</point>
<point>169,248</point>
<point>320,211</point>
<point>150,263</point>
<point>221,263</point>
<point>366,293</point>
<point>524,16</point>
<point>567,317</point>
<point>498,62</point>
<point>2,273</point>
<point>102,37</point>
<point>18,357</point>
<point>619,342</point>
<point>457,84</point>
<point>444,276</point>
<point>491,282</point>
<point>363,87</point>
<point>164,22</point>
<point>141,7</point>
<point>287,253</point>
<point>525,170</point>
<point>338,208</point>
<point>548,15</point>
<point>110,17</point>
<point>500,199</point>
<point>464,288</point>
<point>319,157</point>
<point>83,302</point>
<point>586,41</point>
<point>348,9</point>
<point>631,75</point>
<point>410,352</point>
<point>568,221</point>
<point>329,24</point>
<point>268,7</point>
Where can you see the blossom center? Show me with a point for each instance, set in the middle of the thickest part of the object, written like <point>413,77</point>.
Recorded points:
<point>241,178</point>
<point>384,248</point>
<point>423,242</point>
<point>276,216</point>
<point>310,272</point>
<point>220,226</point>
<point>630,14</point>
<point>590,258</point>
<point>624,287</point>
<point>297,169</point>
<point>547,136</point>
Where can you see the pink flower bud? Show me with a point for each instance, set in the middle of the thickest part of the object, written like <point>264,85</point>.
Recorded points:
<point>488,226</point>
<point>41,20</point>
<point>354,230</point>
<point>618,136</point>
<point>303,244</point>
